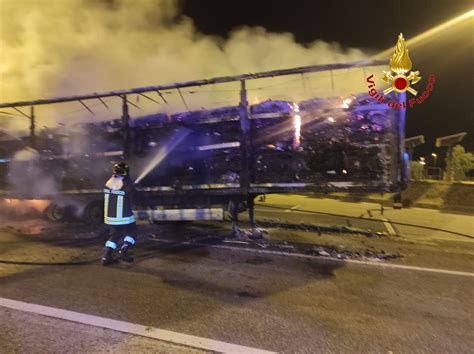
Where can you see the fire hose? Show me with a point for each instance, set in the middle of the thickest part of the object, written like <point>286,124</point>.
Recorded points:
<point>94,260</point>
<point>372,219</point>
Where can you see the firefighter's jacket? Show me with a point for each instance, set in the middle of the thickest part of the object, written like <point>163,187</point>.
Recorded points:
<point>118,193</point>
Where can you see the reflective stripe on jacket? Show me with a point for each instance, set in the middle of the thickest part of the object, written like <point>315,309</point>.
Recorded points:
<point>117,201</point>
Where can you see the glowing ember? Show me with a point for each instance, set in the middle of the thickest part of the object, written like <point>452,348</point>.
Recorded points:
<point>346,103</point>
<point>297,126</point>
<point>22,207</point>
<point>331,120</point>
<point>297,123</point>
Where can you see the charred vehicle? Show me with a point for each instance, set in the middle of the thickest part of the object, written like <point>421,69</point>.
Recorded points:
<point>196,164</point>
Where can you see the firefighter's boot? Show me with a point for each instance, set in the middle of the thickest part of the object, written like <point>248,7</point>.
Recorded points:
<point>107,257</point>
<point>123,253</point>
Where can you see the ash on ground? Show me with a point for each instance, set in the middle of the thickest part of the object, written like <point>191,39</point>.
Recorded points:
<point>195,233</point>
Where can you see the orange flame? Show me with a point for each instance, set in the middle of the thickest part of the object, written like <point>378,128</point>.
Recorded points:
<point>21,207</point>
<point>297,126</point>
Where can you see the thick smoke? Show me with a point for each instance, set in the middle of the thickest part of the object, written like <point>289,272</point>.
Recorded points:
<point>76,46</point>
<point>28,177</point>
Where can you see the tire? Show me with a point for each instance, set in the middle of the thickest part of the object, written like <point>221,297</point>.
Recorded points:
<point>93,213</point>
<point>243,207</point>
<point>55,212</point>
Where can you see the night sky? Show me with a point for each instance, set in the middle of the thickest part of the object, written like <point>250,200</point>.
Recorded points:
<point>373,25</point>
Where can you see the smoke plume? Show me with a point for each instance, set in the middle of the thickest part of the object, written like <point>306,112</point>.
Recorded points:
<point>28,177</point>
<point>68,47</point>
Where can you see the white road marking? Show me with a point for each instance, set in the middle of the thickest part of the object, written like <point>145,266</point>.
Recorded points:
<point>407,267</point>
<point>294,207</point>
<point>126,327</point>
<point>352,261</point>
<point>268,210</point>
<point>389,227</point>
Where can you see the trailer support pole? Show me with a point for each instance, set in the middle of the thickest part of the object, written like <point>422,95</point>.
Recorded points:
<point>244,130</point>
<point>125,127</point>
<point>234,214</point>
<point>32,127</point>
<point>251,206</point>
<point>402,97</point>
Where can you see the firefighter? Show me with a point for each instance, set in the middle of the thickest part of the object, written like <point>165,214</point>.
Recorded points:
<point>118,215</point>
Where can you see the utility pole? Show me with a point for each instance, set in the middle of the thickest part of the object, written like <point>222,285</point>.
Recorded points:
<point>449,165</point>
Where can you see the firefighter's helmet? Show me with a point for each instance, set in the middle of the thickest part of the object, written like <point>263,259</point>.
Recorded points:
<point>121,169</point>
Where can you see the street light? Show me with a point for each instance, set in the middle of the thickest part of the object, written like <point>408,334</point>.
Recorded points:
<point>413,142</point>
<point>435,158</point>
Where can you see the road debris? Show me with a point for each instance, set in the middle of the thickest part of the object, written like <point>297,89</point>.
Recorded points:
<point>339,253</point>
<point>276,223</point>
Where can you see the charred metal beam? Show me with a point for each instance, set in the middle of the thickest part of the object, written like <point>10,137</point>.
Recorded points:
<point>223,79</point>
<point>161,95</point>
<point>148,97</point>
<point>32,127</point>
<point>32,120</point>
<point>87,107</point>
<point>182,98</point>
<point>21,112</point>
<point>8,113</point>
<point>103,102</point>
<point>126,126</point>
<point>133,104</point>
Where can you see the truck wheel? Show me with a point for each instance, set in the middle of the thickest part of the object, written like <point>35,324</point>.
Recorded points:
<point>55,212</point>
<point>94,213</point>
<point>243,207</point>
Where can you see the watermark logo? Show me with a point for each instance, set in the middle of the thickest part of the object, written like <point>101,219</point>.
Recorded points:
<point>400,64</point>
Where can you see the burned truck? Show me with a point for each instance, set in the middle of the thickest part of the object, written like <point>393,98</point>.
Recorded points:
<point>196,164</point>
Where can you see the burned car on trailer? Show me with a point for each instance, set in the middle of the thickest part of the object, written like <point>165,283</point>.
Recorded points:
<point>199,163</point>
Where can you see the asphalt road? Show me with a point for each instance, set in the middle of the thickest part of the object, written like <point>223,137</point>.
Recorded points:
<point>264,301</point>
<point>24,332</point>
